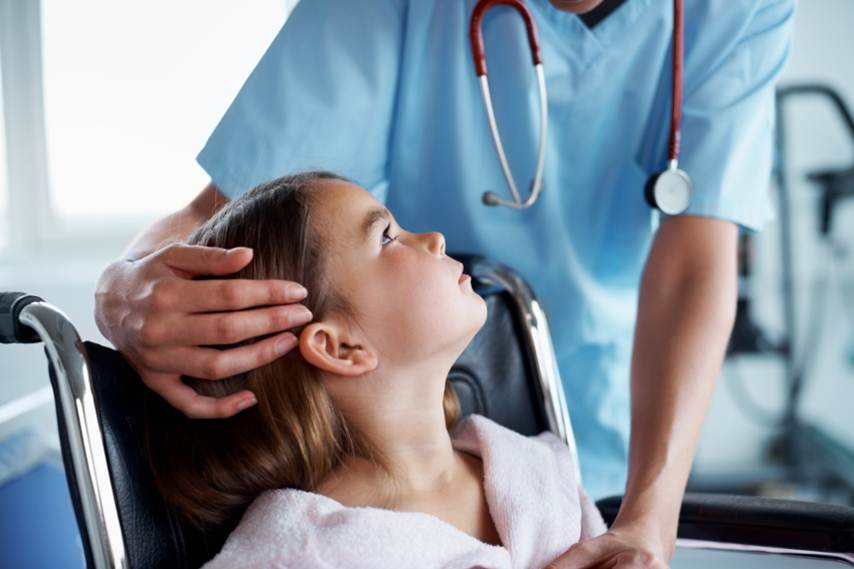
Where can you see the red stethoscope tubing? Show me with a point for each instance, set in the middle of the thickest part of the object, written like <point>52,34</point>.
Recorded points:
<point>476,37</point>
<point>676,96</point>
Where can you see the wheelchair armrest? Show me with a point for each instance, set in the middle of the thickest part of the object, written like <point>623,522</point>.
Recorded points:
<point>765,522</point>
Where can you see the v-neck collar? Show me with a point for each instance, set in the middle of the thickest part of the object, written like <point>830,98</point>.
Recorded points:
<point>594,17</point>
<point>574,39</point>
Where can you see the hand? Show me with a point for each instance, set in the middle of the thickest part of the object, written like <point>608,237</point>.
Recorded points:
<point>620,548</point>
<point>161,320</point>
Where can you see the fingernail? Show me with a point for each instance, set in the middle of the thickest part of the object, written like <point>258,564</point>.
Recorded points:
<point>298,291</point>
<point>284,345</point>
<point>246,403</point>
<point>234,250</point>
<point>302,314</point>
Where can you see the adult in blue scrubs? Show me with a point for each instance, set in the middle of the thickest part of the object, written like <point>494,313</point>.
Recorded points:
<point>384,92</point>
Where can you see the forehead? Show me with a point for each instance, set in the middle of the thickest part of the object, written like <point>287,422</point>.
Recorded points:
<point>341,208</point>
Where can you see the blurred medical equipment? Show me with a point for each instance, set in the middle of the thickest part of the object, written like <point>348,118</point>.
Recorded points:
<point>508,373</point>
<point>669,190</point>
<point>806,452</point>
<point>810,451</point>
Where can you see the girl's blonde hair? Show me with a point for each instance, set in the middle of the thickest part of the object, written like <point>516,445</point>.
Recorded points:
<point>210,470</point>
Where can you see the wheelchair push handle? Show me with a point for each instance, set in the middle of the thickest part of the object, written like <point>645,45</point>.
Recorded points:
<point>11,329</point>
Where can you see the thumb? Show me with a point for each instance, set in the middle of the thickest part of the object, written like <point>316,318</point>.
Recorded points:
<point>200,260</point>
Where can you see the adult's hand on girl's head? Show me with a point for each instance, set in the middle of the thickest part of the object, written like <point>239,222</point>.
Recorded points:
<point>161,320</point>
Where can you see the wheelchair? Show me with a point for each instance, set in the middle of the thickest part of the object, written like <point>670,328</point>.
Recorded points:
<point>508,373</point>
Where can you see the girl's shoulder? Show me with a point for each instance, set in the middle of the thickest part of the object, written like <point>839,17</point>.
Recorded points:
<point>293,528</point>
<point>272,515</point>
<point>294,525</point>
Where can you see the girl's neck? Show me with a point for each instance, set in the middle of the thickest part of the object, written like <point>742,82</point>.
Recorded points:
<point>414,454</point>
<point>411,448</point>
<point>420,472</point>
<point>398,413</point>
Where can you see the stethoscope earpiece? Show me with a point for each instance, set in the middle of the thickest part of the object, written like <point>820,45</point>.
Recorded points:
<point>490,198</point>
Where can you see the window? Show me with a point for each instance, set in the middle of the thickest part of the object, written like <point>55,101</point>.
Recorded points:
<point>132,90</point>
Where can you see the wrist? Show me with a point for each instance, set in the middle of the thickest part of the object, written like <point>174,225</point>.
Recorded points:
<point>110,277</point>
<point>655,537</point>
<point>653,524</point>
<point>108,283</point>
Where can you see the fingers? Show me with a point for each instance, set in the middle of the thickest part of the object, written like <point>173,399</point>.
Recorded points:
<point>199,260</point>
<point>637,559</point>
<point>183,295</point>
<point>583,555</point>
<point>210,363</point>
<point>602,552</point>
<point>223,327</point>
<point>196,406</point>
<point>207,363</point>
<point>174,315</point>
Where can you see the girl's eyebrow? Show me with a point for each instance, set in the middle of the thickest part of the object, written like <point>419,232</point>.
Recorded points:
<point>374,216</point>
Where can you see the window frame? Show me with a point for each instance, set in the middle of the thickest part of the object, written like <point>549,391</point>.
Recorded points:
<point>35,230</point>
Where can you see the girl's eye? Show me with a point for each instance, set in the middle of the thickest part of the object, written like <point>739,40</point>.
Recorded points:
<point>386,238</point>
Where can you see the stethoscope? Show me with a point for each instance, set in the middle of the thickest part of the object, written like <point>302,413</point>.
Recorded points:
<point>669,190</point>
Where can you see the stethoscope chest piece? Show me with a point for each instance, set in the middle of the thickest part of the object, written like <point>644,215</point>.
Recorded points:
<point>669,191</point>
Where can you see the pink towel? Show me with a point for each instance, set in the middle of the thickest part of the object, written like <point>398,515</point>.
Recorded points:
<point>537,505</point>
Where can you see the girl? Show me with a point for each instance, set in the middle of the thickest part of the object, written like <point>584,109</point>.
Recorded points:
<point>352,456</point>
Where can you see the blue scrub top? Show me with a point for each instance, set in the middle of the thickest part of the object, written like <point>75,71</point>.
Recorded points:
<point>384,92</point>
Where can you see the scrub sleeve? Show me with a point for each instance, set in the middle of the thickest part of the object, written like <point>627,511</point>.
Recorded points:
<point>728,113</point>
<point>322,96</point>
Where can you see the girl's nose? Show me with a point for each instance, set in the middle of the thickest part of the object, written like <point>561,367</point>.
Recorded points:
<point>436,243</point>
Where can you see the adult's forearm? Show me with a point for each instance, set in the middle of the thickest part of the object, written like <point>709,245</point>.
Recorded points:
<point>685,317</point>
<point>176,226</point>
<point>173,227</point>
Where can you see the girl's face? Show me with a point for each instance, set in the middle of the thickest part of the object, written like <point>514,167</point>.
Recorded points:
<point>411,302</point>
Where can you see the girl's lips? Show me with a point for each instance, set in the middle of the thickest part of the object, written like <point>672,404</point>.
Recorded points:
<point>463,278</point>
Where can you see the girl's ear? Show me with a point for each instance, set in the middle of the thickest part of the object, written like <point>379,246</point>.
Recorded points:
<point>325,346</point>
